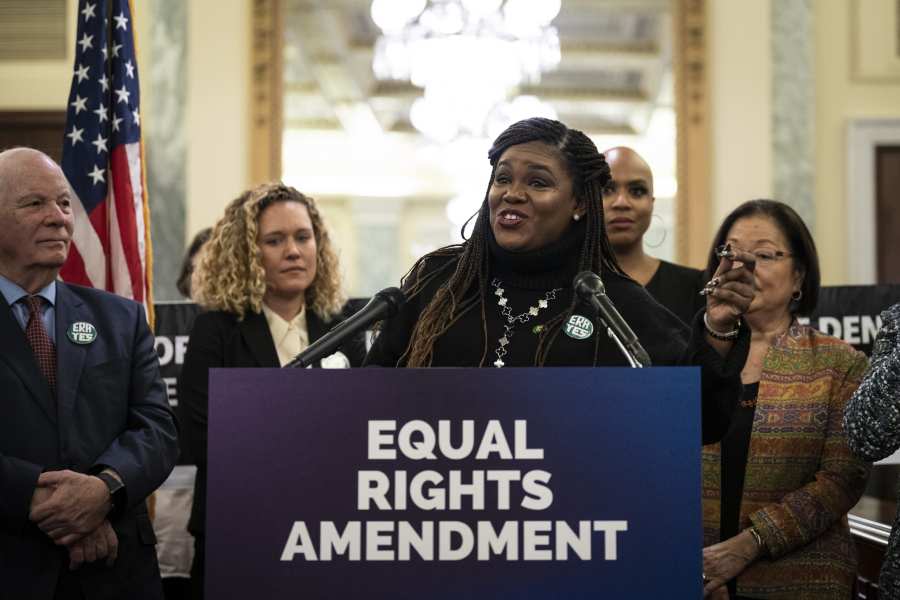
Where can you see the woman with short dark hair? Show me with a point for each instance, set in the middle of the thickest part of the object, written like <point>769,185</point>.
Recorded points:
<point>777,489</point>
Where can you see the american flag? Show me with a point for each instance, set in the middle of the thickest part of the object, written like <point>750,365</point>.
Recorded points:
<point>103,157</point>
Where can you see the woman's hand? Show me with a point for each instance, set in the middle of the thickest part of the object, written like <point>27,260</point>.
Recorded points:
<point>726,560</point>
<point>730,291</point>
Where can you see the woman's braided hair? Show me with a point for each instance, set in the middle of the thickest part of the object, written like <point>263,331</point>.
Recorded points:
<point>455,297</point>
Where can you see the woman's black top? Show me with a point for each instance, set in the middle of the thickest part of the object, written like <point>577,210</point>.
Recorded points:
<point>526,278</point>
<point>735,446</point>
<point>678,289</point>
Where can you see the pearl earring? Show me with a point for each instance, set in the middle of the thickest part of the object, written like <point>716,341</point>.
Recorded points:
<point>576,217</point>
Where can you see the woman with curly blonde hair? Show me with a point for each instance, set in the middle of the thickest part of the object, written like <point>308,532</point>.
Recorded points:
<point>269,283</point>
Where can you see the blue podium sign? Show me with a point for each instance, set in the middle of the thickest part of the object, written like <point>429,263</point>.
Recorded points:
<point>454,483</point>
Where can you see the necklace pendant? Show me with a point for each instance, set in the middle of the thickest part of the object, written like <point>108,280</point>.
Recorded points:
<point>533,311</point>
<point>499,363</point>
<point>502,301</point>
<point>542,303</point>
<point>504,340</point>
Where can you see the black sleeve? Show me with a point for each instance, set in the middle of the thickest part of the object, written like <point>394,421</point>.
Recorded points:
<point>205,351</point>
<point>393,337</point>
<point>720,378</point>
<point>670,342</point>
<point>354,348</point>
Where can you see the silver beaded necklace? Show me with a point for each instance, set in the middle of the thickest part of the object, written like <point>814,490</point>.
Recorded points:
<point>513,320</point>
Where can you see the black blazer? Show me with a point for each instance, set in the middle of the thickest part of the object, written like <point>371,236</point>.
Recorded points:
<point>218,339</point>
<point>111,410</point>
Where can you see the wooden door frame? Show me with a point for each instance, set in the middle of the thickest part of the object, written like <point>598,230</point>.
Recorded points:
<point>863,137</point>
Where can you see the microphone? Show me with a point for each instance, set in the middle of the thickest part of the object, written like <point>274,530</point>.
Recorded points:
<point>383,305</point>
<point>590,288</point>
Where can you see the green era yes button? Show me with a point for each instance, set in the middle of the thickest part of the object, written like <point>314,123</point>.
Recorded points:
<point>579,327</point>
<point>81,332</point>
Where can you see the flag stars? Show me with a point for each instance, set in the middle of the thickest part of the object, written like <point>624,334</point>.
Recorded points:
<point>130,69</point>
<point>121,21</point>
<point>101,113</point>
<point>86,42</point>
<point>104,82</point>
<point>122,95</point>
<point>100,143</point>
<point>97,175</point>
<point>88,11</point>
<point>137,117</point>
<point>75,135</point>
<point>116,48</point>
<point>82,72</point>
<point>79,104</point>
<point>115,122</point>
<point>105,52</point>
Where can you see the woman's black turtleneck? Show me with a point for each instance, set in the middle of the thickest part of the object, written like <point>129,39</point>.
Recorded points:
<point>526,278</point>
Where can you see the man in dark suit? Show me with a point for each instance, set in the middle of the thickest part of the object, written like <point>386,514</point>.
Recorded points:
<point>86,433</point>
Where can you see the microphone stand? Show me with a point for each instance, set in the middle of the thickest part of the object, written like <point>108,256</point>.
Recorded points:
<point>632,359</point>
<point>589,287</point>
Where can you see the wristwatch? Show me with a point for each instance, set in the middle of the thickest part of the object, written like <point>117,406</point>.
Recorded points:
<point>116,494</point>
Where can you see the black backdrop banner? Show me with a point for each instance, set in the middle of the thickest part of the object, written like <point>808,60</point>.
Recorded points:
<point>174,321</point>
<point>852,312</point>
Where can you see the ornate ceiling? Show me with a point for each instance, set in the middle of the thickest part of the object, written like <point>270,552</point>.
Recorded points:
<point>615,69</point>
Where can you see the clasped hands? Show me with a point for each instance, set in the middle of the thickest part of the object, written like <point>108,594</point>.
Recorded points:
<point>726,560</point>
<point>71,509</point>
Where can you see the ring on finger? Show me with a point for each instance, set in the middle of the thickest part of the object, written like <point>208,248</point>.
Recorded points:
<point>710,286</point>
<point>725,251</point>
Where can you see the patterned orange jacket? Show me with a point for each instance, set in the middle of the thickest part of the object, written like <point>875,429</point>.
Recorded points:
<point>801,478</point>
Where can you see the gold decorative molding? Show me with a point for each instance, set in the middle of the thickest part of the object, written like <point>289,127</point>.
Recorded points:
<point>693,131</point>
<point>266,90</point>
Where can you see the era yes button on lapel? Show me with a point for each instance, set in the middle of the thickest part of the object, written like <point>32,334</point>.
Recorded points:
<point>81,332</point>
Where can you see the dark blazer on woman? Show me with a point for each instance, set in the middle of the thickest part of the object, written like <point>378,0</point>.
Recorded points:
<point>218,339</point>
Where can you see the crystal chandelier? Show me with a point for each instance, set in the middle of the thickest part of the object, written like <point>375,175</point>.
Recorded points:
<point>467,55</point>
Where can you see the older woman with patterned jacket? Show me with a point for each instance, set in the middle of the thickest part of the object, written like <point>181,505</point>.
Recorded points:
<point>777,489</point>
<point>872,423</point>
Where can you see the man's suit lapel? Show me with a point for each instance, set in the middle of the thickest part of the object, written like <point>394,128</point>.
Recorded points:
<point>19,356</point>
<point>255,331</point>
<point>69,356</point>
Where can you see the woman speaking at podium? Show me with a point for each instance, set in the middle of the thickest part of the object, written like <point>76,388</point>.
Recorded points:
<point>505,298</point>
